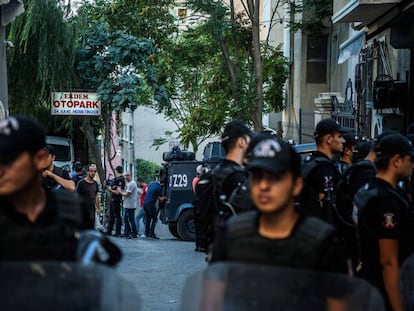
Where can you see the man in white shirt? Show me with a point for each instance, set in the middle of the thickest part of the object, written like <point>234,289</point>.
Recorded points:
<point>130,202</point>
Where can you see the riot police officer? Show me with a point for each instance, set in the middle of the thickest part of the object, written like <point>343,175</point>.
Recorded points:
<point>275,233</point>
<point>113,187</point>
<point>384,219</point>
<point>320,173</point>
<point>37,223</point>
<point>346,155</point>
<point>215,188</point>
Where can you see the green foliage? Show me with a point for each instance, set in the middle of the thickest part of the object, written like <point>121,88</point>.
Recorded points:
<point>41,61</point>
<point>115,63</point>
<point>146,169</point>
<point>143,19</point>
<point>315,15</point>
<point>275,72</point>
<point>209,92</point>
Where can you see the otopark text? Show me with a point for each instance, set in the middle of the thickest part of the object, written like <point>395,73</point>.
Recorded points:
<point>75,103</point>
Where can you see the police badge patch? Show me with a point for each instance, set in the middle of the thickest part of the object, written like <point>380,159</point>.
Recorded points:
<point>389,221</point>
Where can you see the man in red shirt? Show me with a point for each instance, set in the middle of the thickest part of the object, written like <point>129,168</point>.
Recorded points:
<point>141,213</point>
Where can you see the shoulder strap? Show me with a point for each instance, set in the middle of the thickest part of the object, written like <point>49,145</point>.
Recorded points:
<point>311,163</point>
<point>221,174</point>
<point>68,207</point>
<point>242,225</point>
<point>313,230</point>
<point>398,196</point>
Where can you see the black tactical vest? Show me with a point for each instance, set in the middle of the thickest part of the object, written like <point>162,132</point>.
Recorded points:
<point>54,241</point>
<point>300,250</point>
<point>220,175</point>
<point>365,194</point>
<point>309,197</point>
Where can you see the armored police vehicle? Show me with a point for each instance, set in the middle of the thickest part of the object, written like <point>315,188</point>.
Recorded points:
<point>179,170</point>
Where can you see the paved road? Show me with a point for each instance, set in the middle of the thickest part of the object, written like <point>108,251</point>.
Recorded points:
<point>159,268</point>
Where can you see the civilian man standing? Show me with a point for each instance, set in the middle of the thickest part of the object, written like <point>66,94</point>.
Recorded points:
<point>130,202</point>
<point>141,212</point>
<point>87,189</point>
<point>154,194</point>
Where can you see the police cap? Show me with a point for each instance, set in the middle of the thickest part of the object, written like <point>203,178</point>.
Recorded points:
<point>392,144</point>
<point>18,134</point>
<point>329,126</point>
<point>274,155</point>
<point>235,129</point>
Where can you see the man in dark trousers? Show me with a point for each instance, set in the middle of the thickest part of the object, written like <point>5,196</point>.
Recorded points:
<point>37,223</point>
<point>275,233</point>
<point>116,200</point>
<point>356,176</point>
<point>88,189</point>
<point>154,194</point>
<point>384,219</point>
<point>320,173</point>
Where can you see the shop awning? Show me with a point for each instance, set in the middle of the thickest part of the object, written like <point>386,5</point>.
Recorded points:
<point>351,47</point>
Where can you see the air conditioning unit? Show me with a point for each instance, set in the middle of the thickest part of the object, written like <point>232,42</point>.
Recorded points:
<point>388,93</point>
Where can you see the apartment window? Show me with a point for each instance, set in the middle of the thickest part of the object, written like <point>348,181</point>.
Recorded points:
<point>125,132</point>
<point>131,134</point>
<point>316,59</point>
<point>182,13</point>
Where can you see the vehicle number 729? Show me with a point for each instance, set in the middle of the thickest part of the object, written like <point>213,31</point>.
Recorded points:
<point>178,181</point>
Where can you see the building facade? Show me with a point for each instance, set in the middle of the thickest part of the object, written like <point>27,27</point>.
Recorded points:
<point>379,35</point>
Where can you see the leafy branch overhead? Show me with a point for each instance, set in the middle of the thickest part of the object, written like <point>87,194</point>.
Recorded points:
<point>115,63</point>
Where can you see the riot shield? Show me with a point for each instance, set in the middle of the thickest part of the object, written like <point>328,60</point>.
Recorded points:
<point>407,283</point>
<point>237,286</point>
<point>44,286</point>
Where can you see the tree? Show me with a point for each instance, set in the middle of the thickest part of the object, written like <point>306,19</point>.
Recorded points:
<point>145,19</point>
<point>116,65</point>
<point>41,60</point>
<point>216,68</point>
<point>146,170</point>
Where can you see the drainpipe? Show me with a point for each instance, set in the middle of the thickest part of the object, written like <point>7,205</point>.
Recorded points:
<point>3,67</point>
<point>410,112</point>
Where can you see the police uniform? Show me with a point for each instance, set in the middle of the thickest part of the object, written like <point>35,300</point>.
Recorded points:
<point>357,175</point>
<point>49,230</point>
<point>234,176</point>
<point>52,236</point>
<point>312,244</point>
<point>115,207</point>
<point>382,214</point>
<point>320,176</point>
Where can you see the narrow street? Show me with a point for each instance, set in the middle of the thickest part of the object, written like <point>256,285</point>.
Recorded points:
<point>159,268</point>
